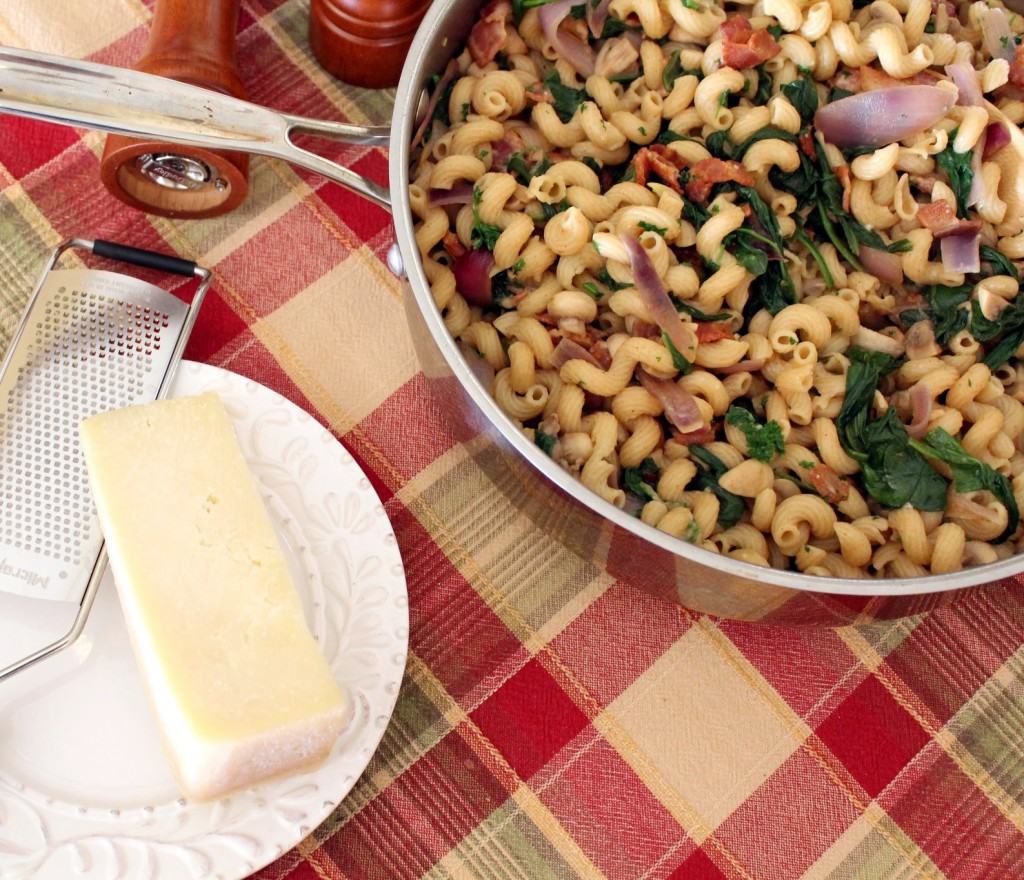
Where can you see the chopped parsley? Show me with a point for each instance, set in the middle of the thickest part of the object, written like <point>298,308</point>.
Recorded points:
<point>545,441</point>
<point>765,441</point>
<point>650,227</point>
<point>484,235</point>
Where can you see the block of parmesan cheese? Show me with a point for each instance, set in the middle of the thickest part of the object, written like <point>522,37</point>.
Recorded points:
<point>239,686</point>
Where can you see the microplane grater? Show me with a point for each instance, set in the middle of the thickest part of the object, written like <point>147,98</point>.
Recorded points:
<point>90,341</point>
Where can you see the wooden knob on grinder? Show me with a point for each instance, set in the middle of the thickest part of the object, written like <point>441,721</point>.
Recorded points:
<point>192,41</point>
<point>364,42</point>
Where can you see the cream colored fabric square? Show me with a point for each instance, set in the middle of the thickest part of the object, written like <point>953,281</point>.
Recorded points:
<point>68,27</point>
<point>704,729</point>
<point>344,340</point>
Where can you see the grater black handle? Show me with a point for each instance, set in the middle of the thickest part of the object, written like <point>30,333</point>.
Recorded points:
<point>139,257</point>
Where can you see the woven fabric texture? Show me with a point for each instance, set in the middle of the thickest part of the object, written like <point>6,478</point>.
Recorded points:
<point>554,722</point>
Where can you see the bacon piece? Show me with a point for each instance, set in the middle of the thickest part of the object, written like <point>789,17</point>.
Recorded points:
<point>490,32</point>
<point>538,93</point>
<point>745,47</point>
<point>660,161</point>
<point>867,78</point>
<point>807,146</point>
<point>707,172</point>
<point>452,244</point>
<point>924,184</point>
<point>828,484</point>
<point>712,332</point>
<point>940,219</point>
<point>702,435</point>
<point>843,173</point>
<point>1017,68</point>
<point>601,354</point>
<point>511,142</point>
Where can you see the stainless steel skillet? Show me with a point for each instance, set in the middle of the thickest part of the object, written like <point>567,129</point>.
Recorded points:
<point>96,96</point>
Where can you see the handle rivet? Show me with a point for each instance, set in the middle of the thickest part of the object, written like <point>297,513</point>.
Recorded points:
<point>394,261</point>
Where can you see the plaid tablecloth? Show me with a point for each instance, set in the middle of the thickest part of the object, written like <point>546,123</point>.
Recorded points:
<point>554,723</point>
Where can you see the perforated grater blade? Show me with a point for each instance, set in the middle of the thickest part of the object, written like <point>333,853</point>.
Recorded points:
<point>90,341</point>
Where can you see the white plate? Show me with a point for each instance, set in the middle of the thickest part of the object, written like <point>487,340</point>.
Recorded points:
<point>85,789</point>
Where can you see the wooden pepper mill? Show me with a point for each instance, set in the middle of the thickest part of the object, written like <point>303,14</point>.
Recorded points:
<point>364,42</point>
<point>192,41</point>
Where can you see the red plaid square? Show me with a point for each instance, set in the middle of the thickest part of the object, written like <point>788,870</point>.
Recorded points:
<point>806,808</point>
<point>425,812</point>
<point>365,219</point>
<point>217,325</point>
<point>529,718</point>
<point>955,823</point>
<point>26,145</point>
<point>592,646</point>
<point>873,735</point>
<point>611,814</point>
<point>811,667</point>
<point>697,867</point>
<point>452,629</point>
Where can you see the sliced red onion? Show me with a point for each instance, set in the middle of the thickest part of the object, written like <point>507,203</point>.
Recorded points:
<point>596,16</point>
<point>996,36</point>
<point>960,253</point>
<point>921,405</point>
<point>473,276</point>
<point>883,265</point>
<point>428,115</point>
<point>567,350</point>
<point>579,55</point>
<point>478,366</point>
<point>747,366</point>
<point>882,116</point>
<point>967,83</point>
<point>654,295</point>
<point>997,136</point>
<point>460,194</point>
<point>919,341</point>
<point>680,406</point>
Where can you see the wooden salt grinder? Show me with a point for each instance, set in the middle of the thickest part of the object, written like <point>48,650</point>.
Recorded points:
<point>364,42</point>
<point>192,41</point>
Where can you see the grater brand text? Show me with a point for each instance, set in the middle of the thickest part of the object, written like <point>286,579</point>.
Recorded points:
<point>33,579</point>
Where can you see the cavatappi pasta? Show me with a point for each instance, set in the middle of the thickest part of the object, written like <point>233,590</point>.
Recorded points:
<point>748,270</point>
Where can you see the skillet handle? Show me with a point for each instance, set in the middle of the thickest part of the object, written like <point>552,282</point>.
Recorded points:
<point>84,94</point>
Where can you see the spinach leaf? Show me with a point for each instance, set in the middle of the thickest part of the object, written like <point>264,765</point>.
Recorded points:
<point>604,278</point>
<point>765,441</point>
<point>669,137</point>
<point>484,235</point>
<point>717,143</point>
<point>566,98</point>
<point>748,255</point>
<point>678,361</point>
<point>592,164</point>
<point>698,315</point>
<point>970,474</point>
<point>803,95</point>
<point>615,26</point>
<point>958,169</point>
<point>545,441</point>
<point>1000,263</point>
<point>769,131</point>
<point>503,287</point>
<point>812,249</point>
<point>1004,349</point>
<point>641,480</point>
<point>709,470</point>
<point>517,165</point>
<point>944,308</point>
<point>672,70</point>
<point>837,94</point>
<point>894,473</point>
<point>441,110</point>
<point>650,227</point>
<point>764,87</point>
